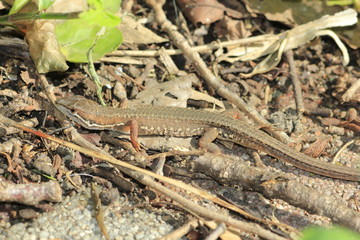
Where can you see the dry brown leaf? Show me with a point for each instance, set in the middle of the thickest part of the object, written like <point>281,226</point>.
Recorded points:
<point>231,28</point>
<point>44,48</point>
<point>202,11</point>
<point>25,76</point>
<point>134,32</point>
<point>293,13</point>
<point>318,147</point>
<point>175,92</point>
<point>271,61</point>
<point>295,37</point>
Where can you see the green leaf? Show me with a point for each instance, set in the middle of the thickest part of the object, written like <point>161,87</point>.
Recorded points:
<point>45,4</point>
<point>41,5</point>
<point>112,6</point>
<point>336,233</point>
<point>76,38</point>
<point>101,18</point>
<point>18,5</point>
<point>95,26</point>
<point>43,174</point>
<point>96,4</point>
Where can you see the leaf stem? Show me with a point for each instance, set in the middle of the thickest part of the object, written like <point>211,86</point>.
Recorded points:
<point>94,76</point>
<point>13,18</point>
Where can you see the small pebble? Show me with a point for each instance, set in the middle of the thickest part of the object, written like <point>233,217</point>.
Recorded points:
<point>73,220</point>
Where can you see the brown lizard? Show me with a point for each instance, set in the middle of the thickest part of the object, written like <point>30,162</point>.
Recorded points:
<point>183,122</point>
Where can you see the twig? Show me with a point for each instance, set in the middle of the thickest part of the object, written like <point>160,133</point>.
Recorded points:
<point>48,89</point>
<point>350,93</point>
<point>180,232</point>
<point>115,176</point>
<point>99,212</point>
<point>296,82</point>
<point>220,229</point>
<point>343,148</point>
<point>201,49</point>
<point>30,193</point>
<point>230,233</point>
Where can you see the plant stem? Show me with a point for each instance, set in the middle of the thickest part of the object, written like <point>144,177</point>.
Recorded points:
<point>94,76</point>
<point>13,18</point>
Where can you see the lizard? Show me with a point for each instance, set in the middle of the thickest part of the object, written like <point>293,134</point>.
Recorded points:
<point>186,122</point>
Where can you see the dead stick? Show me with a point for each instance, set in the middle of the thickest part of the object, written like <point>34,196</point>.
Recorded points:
<point>296,82</point>
<point>30,193</point>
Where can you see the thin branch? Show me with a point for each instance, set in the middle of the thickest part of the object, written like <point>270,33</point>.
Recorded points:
<point>296,82</point>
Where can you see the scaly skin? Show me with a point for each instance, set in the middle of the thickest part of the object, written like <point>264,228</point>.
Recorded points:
<point>182,122</point>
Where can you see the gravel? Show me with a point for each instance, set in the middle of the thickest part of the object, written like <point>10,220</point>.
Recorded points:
<point>73,219</point>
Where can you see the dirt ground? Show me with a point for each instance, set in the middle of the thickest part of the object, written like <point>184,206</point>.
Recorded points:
<point>308,99</point>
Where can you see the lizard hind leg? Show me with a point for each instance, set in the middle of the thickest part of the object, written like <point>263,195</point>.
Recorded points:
<point>206,141</point>
<point>131,127</point>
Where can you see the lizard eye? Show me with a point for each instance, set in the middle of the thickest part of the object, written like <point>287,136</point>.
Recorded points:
<point>73,110</point>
